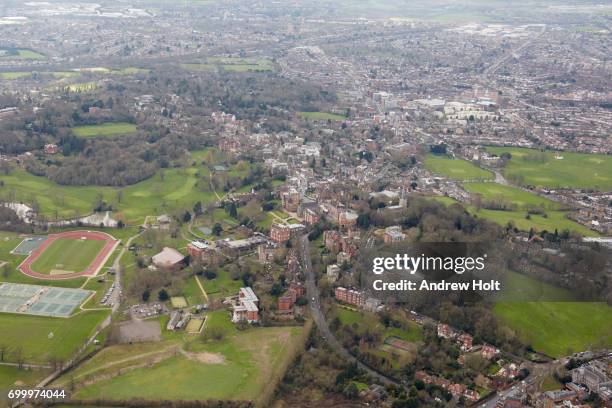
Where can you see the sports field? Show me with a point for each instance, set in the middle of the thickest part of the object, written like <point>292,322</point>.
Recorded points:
<point>67,255</point>
<point>321,116</point>
<point>105,129</point>
<point>518,198</point>
<point>242,366</point>
<point>543,169</point>
<point>43,337</point>
<point>455,169</point>
<point>547,317</point>
<point>40,300</point>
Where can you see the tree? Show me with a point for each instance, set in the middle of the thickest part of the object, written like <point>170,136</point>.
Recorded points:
<point>232,210</point>
<point>162,295</point>
<point>217,229</point>
<point>187,216</point>
<point>146,294</point>
<point>197,209</point>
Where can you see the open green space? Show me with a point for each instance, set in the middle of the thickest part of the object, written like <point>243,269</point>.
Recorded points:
<point>41,338</point>
<point>549,318</point>
<point>71,255</point>
<point>168,190</point>
<point>232,64</point>
<point>456,169</point>
<point>14,75</point>
<point>348,317</point>
<point>23,54</point>
<point>559,328</point>
<point>518,198</point>
<point>555,219</point>
<point>320,116</point>
<point>13,376</point>
<point>222,286</point>
<point>248,363</point>
<point>105,129</point>
<point>548,169</point>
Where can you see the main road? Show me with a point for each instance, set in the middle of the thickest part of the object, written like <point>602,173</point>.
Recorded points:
<point>312,292</point>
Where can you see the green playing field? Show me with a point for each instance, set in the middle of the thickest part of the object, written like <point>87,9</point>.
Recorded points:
<point>70,255</point>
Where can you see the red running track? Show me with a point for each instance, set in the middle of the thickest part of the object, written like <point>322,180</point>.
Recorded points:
<point>92,269</point>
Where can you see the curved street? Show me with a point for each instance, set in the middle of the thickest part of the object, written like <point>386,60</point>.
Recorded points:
<point>312,292</point>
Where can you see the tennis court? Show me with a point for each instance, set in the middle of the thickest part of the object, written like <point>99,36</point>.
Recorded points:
<point>40,300</point>
<point>28,245</point>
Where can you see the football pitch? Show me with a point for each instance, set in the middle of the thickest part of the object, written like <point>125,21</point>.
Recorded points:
<point>66,255</point>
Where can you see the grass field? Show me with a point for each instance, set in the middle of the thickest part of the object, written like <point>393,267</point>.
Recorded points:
<point>14,75</point>
<point>176,189</point>
<point>575,170</point>
<point>105,129</point>
<point>13,376</point>
<point>25,54</point>
<point>320,116</point>
<point>232,64</point>
<point>248,362</point>
<point>456,169</point>
<point>520,199</point>
<point>547,317</point>
<point>222,286</point>
<point>559,328</point>
<point>553,220</point>
<point>31,334</point>
<point>73,255</point>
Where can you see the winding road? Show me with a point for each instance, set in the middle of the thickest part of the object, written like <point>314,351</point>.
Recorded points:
<point>312,292</point>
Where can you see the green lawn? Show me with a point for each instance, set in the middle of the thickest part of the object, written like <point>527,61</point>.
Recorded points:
<point>174,189</point>
<point>413,334</point>
<point>575,170</point>
<point>252,360</point>
<point>232,64</point>
<point>456,169</point>
<point>31,334</point>
<point>518,198</point>
<point>25,54</point>
<point>559,328</point>
<point>12,376</point>
<point>348,317</point>
<point>553,220</point>
<point>14,75</point>
<point>222,286</point>
<point>105,129</point>
<point>65,254</point>
<point>321,116</point>
<point>549,318</point>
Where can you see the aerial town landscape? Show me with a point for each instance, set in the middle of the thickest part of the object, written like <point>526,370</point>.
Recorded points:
<point>193,194</point>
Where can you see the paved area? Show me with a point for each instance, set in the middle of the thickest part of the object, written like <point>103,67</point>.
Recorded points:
<point>28,245</point>
<point>40,300</point>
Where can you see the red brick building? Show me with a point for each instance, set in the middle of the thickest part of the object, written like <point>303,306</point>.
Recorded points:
<point>280,233</point>
<point>311,217</point>
<point>350,296</point>
<point>285,303</point>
